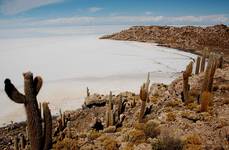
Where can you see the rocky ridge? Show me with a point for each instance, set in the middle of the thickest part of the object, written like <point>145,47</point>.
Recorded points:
<point>188,38</point>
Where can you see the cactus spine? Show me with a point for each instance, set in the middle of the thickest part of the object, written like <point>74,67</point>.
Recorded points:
<point>197,65</point>
<point>32,87</point>
<point>186,87</point>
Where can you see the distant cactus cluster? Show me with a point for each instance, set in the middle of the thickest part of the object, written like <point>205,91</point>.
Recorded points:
<point>114,115</point>
<point>214,61</point>
<point>40,137</point>
<point>63,126</point>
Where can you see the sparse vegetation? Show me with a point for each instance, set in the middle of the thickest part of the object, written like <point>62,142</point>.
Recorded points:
<point>152,128</point>
<point>171,116</point>
<point>168,142</point>
<point>135,136</point>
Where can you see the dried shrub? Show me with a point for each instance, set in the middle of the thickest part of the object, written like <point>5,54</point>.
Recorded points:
<point>192,106</point>
<point>171,116</point>
<point>139,126</point>
<point>135,136</point>
<point>153,99</point>
<point>66,144</point>
<point>172,103</point>
<point>152,128</point>
<point>193,142</point>
<point>168,142</point>
<point>108,142</point>
<point>93,134</point>
<point>128,146</point>
<point>226,101</point>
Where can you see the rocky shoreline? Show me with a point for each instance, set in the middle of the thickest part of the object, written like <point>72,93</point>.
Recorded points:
<point>168,123</point>
<point>187,38</point>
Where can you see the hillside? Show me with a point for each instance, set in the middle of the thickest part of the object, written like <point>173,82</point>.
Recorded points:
<point>168,123</point>
<point>188,38</point>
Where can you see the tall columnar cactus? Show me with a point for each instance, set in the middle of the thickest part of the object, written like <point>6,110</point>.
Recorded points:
<point>32,87</point>
<point>22,141</point>
<point>109,112</point>
<point>69,134</point>
<point>205,98</point>
<point>186,87</point>
<point>220,65</point>
<point>47,132</point>
<point>219,59</point>
<point>147,85</point>
<point>197,65</point>
<point>62,121</point>
<point>143,96</point>
<point>206,92</point>
<point>205,51</point>
<point>209,73</point>
<point>88,92</point>
<point>16,147</point>
<point>120,106</point>
<point>212,73</point>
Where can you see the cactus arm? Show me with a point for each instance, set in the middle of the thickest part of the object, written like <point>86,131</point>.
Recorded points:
<point>37,82</point>
<point>13,93</point>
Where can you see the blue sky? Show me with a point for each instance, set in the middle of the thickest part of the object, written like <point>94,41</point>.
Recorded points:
<point>22,13</point>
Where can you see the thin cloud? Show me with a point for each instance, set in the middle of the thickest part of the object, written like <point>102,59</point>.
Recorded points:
<point>94,9</point>
<point>148,13</point>
<point>118,20</point>
<point>13,7</point>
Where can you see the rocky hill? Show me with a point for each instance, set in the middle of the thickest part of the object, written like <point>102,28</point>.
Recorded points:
<point>168,124</point>
<point>187,38</point>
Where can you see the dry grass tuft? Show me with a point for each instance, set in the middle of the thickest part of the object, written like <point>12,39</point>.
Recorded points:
<point>135,136</point>
<point>108,143</point>
<point>193,142</point>
<point>66,144</point>
<point>171,116</point>
<point>152,128</point>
